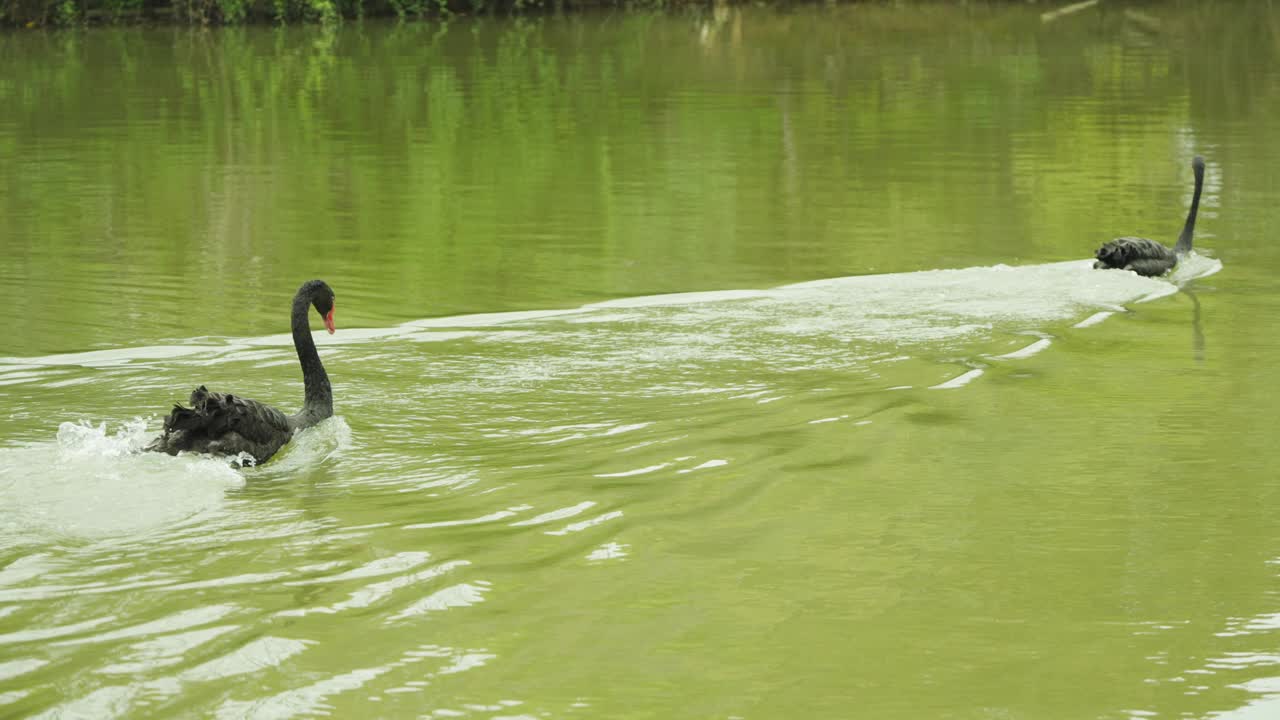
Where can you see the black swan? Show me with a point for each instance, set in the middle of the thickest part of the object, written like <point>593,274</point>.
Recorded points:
<point>1148,257</point>
<point>225,424</point>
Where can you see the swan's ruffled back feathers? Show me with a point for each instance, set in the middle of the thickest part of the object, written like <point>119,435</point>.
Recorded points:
<point>226,424</point>
<point>1125,251</point>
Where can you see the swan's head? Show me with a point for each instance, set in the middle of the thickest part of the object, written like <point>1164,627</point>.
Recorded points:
<point>322,298</point>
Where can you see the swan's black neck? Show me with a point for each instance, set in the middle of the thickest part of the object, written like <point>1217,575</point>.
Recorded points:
<point>319,395</point>
<point>1184,240</point>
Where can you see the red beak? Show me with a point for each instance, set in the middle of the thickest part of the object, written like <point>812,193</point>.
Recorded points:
<point>328,321</point>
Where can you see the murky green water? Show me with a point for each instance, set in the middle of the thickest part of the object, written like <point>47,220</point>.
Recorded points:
<point>815,483</point>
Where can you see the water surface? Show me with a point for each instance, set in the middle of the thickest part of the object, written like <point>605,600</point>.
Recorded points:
<point>738,363</point>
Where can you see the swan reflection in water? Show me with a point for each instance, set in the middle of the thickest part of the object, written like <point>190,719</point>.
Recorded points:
<point>1197,329</point>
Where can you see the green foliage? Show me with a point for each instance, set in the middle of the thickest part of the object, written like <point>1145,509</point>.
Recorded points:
<point>119,9</point>
<point>62,13</point>
<point>232,11</point>
<point>36,13</point>
<point>350,8</point>
<point>322,11</point>
<point>66,13</point>
<point>402,8</point>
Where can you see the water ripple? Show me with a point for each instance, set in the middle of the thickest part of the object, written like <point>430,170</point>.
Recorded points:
<point>370,594</point>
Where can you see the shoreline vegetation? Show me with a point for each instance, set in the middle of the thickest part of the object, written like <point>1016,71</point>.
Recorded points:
<point>34,14</point>
<point>31,14</point>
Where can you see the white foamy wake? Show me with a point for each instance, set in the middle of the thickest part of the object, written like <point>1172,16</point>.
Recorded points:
<point>94,483</point>
<point>907,307</point>
<point>311,447</point>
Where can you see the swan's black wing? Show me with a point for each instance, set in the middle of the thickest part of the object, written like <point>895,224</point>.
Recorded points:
<point>224,424</point>
<point>1143,256</point>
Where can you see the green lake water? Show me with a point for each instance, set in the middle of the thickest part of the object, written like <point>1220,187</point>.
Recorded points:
<point>721,363</point>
